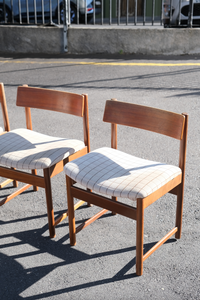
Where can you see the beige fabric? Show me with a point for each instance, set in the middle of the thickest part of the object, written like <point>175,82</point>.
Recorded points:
<point>1,130</point>
<point>114,173</point>
<point>27,149</point>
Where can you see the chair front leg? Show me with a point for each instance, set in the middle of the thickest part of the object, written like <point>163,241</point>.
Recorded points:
<point>71,216</point>
<point>49,203</point>
<point>89,204</point>
<point>15,183</point>
<point>139,237</point>
<point>179,212</point>
<point>115,199</point>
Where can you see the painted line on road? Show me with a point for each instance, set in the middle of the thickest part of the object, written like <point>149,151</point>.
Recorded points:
<point>101,63</point>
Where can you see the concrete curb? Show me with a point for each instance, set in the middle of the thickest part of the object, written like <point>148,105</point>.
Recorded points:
<point>31,39</point>
<point>129,40</point>
<point>91,39</point>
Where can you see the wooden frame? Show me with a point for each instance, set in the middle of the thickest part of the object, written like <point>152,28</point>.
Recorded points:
<point>69,103</point>
<point>4,108</point>
<point>160,121</point>
<point>6,128</point>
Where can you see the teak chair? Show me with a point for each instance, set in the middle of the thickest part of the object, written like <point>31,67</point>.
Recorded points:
<point>25,149</point>
<point>114,173</point>
<point>5,128</point>
<point>4,110</point>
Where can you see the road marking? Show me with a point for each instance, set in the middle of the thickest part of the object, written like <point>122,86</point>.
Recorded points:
<point>101,63</point>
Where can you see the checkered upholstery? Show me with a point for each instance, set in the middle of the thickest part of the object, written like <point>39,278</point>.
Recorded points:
<point>114,173</point>
<point>27,149</point>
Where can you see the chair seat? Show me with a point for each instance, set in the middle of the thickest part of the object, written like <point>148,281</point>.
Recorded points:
<point>114,173</point>
<point>27,149</point>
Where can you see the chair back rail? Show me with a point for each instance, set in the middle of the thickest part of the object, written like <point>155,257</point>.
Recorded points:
<point>148,118</point>
<point>183,150</point>
<point>50,100</point>
<point>86,123</point>
<point>4,108</point>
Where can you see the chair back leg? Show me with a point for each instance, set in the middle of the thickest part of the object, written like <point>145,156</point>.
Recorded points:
<point>139,237</point>
<point>49,203</point>
<point>71,216</point>
<point>179,212</point>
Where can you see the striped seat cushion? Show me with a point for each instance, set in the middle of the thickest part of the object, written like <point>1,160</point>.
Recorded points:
<point>27,149</point>
<point>114,173</point>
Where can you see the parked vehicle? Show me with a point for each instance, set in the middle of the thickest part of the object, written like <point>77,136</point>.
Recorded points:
<point>33,9</point>
<point>181,6</point>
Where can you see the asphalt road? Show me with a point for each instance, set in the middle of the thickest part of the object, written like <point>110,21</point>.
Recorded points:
<point>102,264</point>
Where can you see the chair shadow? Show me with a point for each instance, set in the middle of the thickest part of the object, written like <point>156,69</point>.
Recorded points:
<point>15,279</point>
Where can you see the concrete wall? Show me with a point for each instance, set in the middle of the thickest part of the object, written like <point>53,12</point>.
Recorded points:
<point>141,40</point>
<point>100,39</point>
<point>31,39</point>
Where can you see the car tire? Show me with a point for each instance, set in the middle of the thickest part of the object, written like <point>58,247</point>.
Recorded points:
<point>8,14</point>
<point>89,19</point>
<point>166,25</point>
<point>61,14</point>
<point>73,14</point>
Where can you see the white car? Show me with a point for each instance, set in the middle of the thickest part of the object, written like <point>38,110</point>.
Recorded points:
<point>179,9</point>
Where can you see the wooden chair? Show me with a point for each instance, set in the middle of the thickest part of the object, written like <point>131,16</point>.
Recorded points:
<point>25,149</point>
<point>4,110</point>
<point>5,128</point>
<point>114,173</point>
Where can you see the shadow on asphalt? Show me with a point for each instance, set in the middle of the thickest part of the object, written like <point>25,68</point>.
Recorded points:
<point>15,279</point>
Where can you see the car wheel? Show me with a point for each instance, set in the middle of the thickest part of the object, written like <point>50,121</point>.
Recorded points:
<point>61,14</point>
<point>89,19</point>
<point>7,14</point>
<point>73,13</point>
<point>166,25</point>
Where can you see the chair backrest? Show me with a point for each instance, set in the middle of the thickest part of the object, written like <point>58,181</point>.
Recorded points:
<point>4,108</point>
<point>143,117</point>
<point>48,99</point>
<point>156,120</point>
<point>60,101</point>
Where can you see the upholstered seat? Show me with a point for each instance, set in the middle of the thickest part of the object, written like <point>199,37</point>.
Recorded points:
<point>27,149</point>
<point>117,174</point>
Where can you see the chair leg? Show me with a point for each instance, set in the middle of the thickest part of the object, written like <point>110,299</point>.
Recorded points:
<point>15,183</point>
<point>179,213</point>
<point>34,172</point>
<point>49,203</point>
<point>115,199</point>
<point>89,204</point>
<point>139,237</point>
<point>71,216</point>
